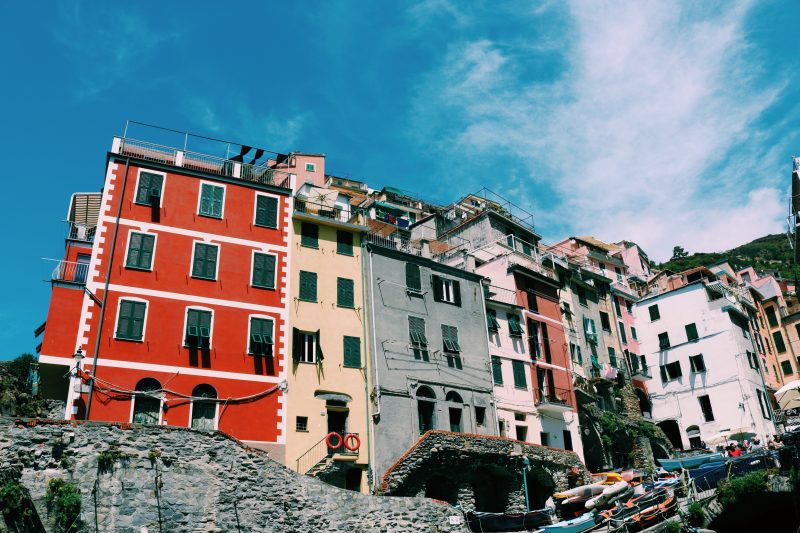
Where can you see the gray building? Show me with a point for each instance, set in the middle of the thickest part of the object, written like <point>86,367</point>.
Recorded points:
<point>430,365</point>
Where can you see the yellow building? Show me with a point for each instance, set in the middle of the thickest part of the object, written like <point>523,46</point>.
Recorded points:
<point>326,425</point>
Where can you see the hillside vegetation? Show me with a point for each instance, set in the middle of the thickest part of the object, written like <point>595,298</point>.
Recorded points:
<point>770,253</point>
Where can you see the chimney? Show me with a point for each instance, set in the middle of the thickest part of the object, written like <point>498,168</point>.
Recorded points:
<point>426,247</point>
<point>469,262</point>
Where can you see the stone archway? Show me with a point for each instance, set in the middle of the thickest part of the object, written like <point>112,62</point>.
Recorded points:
<point>540,487</point>
<point>660,451</point>
<point>491,485</point>
<point>672,431</point>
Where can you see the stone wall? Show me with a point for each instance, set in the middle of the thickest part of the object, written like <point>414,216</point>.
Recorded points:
<point>177,479</point>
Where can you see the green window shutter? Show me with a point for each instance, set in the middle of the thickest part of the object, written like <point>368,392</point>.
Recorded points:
<point>691,332</point>
<point>416,328</point>
<point>264,270</point>
<point>140,251</point>
<point>617,307</point>
<point>150,185</point>
<point>491,320</point>
<point>217,201</point>
<point>266,211</point>
<point>654,313</point>
<point>520,381</point>
<point>352,352</point>
<point>436,282</point>
<point>260,336</point>
<point>309,235</point>
<point>211,199</point>
<point>205,261</point>
<point>344,242</point>
<point>308,286</point>
<point>457,293</point>
<point>450,338</point>
<point>514,327</point>
<point>198,328</point>
<point>633,333</point>
<point>413,277</point>
<point>497,370</point>
<point>131,320</point>
<point>133,250</point>
<point>344,292</point>
<point>612,357</point>
<point>622,334</point>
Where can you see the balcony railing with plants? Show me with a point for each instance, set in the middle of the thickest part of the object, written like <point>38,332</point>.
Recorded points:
<point>333,212</point>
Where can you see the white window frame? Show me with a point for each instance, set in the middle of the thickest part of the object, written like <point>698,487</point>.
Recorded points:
<point>128,246</point>
<point>255,210</point>
<point>210,327</point>
<point>253,266</point>
<point>216,410</point>
<point>305,336</point>
<point>163,185</point>
<point>200,197</point>
<point>144,320</point>
<point>195,242</point>
<point>249,324</point>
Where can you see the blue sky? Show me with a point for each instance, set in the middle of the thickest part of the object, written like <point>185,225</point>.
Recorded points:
<point>657,122</point>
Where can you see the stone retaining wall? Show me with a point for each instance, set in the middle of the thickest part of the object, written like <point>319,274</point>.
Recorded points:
<point>176,479</point>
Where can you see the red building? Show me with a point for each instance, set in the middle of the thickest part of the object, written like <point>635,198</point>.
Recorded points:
<point>175,283</point>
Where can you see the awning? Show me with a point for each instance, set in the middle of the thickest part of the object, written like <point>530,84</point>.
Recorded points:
<point>391,208</point>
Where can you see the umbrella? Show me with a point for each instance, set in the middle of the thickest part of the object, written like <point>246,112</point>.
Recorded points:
<point>788,396</point>
<point>741,436</point>
<point>719,438</point>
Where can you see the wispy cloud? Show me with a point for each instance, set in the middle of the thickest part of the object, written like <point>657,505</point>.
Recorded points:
<point>648,129</point>
<point>106,44</point>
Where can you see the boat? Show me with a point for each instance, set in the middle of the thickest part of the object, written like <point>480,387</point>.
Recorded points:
<point>676,463</point>
<point>608,478</point>
<point>608,493</point>
<point>481,521</point>
<point>642,512</point>
<point>582,523</point>
<point>572,503</point>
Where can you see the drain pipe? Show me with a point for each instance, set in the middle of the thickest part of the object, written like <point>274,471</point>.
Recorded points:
<point>374,354</point>
<point>368,427</point>
<point>105,290</point>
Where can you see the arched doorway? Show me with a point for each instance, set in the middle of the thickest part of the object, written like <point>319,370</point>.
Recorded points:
<point>455,410</point>
<point>204,411</point>
<point>490,487</point>
<point>540,487</point>
<point>659,450</point>
<point>426,409</point>
<point>146,402</point>
<point>673,433</point>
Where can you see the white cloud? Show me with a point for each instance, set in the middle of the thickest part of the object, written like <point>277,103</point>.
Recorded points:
<point>649,132</point>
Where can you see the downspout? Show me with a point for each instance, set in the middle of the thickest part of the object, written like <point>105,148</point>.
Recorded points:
<point>374,355</point>
<point>496,429</point>
<point>105,290</point>
<point>368,427</point>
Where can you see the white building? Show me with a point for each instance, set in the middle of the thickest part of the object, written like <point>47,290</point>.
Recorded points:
<point>706,378</point>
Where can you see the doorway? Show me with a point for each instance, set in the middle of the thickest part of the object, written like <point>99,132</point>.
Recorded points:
<point>337,423</point>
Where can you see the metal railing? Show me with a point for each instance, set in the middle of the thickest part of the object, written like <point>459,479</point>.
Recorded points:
<point>70,271</point>
<point>395,242</point>
<point>320,451</point>
<point>552,396</point>
<point>335,212</point>
<point>79,232</point>
<point>500,295</point>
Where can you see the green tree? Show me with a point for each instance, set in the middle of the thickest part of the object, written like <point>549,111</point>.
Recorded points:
<point>678,253</point>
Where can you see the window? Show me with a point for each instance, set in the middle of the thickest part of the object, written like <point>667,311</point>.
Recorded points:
<point>697,363</point>
<point>671,371</point>
<point>581,294</point>
<point>426,409</point>
<point>534,342</point>
<point>545,438</point>
<point>617,307</point>
<point>519,368</point>
<point>211,199</point>
<point>147,402</point>
<point>309,235</point>
<point>567,439</point>
<point>612,357</point>
<point>691,332</point>
<point>575,353</point>
<point>533,303</point>
<point>204,408</point>
<point>663,340</point>
<point>772,318</point>
<point>419,342</point>
<point>413,277</point>
<point>633,333</point>
<point>306,347</point>
<point>455,419</point>
<point>301,424</point>
<point>521,433</point>
<point>705,406</point>
<point>264,270</point>
<point>198,328</point>
<point>480,416</point>
<point>752,360</point>
<point>762,402</point>
<point>344,242</point>
<point>654,313</point>
<point>311,167</point>
<point>344,293</point>
<point>204,261</point>
<point>514,327</point>
<point>622,335</point>
<point>590,330</point>
<point>779,345</point>
<point>629,307</point>
<point>140,250</point>
<point>786,366</point>
<point>352,352</point>
<point>266,211</point>
<point>446,290</point>
<point>130,320</point>
<point>605,323</point>
<point>148,192</point>
<point>260,336</point>
<point>497,370</point>
<point>491,320</point>
<point>451,346</point>
<point>308,286</point>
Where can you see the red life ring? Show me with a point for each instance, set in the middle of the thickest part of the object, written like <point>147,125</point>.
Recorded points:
<point>348,438</point>
<point>330,437</point>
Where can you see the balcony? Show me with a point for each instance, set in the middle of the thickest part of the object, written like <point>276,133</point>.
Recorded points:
<point>639,372</point>
<point>259,170</point>
<point>554,400</point>
<point>499,295</point>
<point>70,272</point>
<point>395,242</point>
<point>79,232</point>
<point>335,212</point>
